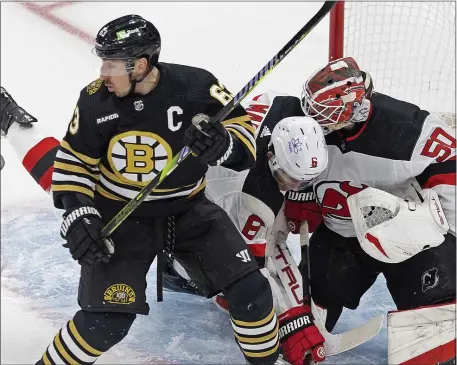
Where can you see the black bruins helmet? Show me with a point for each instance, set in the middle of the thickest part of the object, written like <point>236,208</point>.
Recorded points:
<point>128,38</point>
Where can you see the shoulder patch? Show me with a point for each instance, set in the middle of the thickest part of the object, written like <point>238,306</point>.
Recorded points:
<point>74,124</point>
<point>93,87</point>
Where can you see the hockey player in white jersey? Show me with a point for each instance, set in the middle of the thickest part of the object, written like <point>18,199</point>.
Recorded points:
<point>401,161</point>
<point>290,154</point>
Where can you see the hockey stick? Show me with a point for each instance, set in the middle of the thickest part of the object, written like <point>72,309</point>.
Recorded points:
<point>297,288</point>
<point>219,117</point>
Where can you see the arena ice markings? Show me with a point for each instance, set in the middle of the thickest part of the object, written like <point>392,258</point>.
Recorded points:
<point>46,13</point>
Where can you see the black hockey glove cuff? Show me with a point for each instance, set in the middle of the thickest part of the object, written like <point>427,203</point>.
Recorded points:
<point>81,228</point>
<point>11,112</point>
<point>210,141</point>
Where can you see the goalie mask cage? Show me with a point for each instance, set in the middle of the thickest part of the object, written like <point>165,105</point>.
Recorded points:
<point>407,47</point>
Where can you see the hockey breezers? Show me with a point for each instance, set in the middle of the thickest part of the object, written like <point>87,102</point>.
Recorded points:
<point>219,117</point>
<point>297,290</point>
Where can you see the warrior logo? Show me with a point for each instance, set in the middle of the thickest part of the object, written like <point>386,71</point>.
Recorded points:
<point>430,279</point>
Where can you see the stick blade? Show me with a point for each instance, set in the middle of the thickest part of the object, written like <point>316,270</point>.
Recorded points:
<point>341,342</point>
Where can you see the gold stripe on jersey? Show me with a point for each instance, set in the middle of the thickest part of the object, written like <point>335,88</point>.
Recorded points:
<point>243,125</point>
<point>198,189</point>
<point>244,121</point>
<point>66,157</point>
<point>75,188</point>
<point>243,131</point>
<point>111,187</point>
<point>84,158</point>
<point>245,141</point>
<point>107,194</point>
<point>74,171</point>
<point>74,168</point>
<point>110,176</point>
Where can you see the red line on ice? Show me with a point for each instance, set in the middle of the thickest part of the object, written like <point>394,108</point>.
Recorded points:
<point>46,13</point>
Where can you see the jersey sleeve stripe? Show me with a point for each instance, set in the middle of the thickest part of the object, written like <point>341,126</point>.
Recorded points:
<point>437,169</point>
<point>127,192</point>
<point>242,139</point>
<point>442,179</point>
<point>86,159</point>
<point>105,193</point>
<point>68,158</point>
<point>43,165</point>
<point>74,168</point>
<point>136,186</point>
<point>198,189</point>
<point>39,152</point>
<point>74,188</point>
<point>62,176</point>
<point>244,121</point>
<point>243,131</point>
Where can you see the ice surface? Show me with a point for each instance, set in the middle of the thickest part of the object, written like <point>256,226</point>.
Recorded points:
<point>39,285</point>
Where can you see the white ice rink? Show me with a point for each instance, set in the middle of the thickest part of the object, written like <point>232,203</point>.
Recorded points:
<point>44,68</point>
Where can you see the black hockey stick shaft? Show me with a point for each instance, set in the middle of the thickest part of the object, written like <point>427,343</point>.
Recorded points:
<point>219,117</point>
<point>304,263</point>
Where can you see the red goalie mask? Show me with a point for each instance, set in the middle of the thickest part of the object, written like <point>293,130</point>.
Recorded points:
<point>331,95</point>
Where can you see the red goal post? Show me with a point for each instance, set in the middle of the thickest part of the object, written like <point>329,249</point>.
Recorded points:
<point>407,47</point>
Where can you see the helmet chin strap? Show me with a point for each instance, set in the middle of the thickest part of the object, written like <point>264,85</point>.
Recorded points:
<point>133,81</point>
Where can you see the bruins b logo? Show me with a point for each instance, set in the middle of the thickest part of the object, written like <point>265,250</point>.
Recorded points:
<point>136,157</point>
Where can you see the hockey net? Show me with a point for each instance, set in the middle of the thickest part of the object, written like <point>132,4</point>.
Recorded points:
<point>407,47</point>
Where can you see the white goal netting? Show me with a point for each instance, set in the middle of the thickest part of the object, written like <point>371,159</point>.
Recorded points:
<point>407,47</point>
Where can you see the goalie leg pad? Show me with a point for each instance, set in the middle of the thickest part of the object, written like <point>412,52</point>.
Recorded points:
<point>253,318</point>
<point>422,336</point>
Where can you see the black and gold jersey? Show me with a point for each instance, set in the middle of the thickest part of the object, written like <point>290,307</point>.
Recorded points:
<point>115,146</point>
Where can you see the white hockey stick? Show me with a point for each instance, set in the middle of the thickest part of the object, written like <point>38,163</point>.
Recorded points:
<point>292,280</point>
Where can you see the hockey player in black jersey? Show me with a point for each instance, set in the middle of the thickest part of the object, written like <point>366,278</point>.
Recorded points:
<point>125,127</point>
<point>290,154</point>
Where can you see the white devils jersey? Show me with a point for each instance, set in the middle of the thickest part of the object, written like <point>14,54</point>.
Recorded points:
<point>399,147</point>
<point>251,198</point>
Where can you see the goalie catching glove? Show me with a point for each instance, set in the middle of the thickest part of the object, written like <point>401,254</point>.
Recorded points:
<point>210,141</point>
<point>300,339</point>
<point>391,229</point>
<point>81,228</point>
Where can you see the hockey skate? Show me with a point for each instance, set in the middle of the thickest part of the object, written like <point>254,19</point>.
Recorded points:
<point>172,281</point>
<point>11,112</point>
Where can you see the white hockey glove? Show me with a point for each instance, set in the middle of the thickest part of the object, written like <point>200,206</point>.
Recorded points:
<point>391,229</point>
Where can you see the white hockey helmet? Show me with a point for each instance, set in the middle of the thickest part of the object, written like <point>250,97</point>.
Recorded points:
<point>299,152</point>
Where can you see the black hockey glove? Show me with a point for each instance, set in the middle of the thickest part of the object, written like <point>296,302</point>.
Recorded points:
<point>10,112</point>
<point>210,141</point>
<point>81,228</point>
